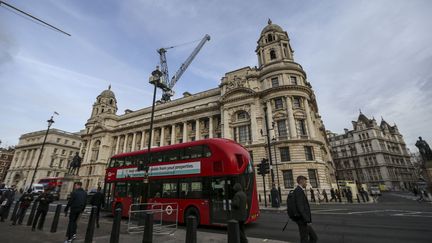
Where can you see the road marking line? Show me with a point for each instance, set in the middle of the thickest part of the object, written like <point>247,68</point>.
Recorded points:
<point>371,211</point>
<point>328,210</point>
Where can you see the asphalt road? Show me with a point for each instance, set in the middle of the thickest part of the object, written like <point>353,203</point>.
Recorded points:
<point>393,219</point>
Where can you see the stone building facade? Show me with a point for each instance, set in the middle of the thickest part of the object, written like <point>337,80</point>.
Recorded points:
<point>6,156</point>
<point>373,154</point>
<point>60,147</point>
<point>234,110</point>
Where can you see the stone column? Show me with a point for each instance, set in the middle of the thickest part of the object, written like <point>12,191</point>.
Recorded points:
<point>162,136</point>
<point>142,139</point>
<point>291,120</point>
<point>133,141</point>
<point>125,142</point>
<point>254,126</point>
<point>210,127</point>
<point>184,132</point>
<point>88,152</point>
<point>225,125</point>
<point>152,138</point>
<point>173,133</point>
<point>309,119</point>
<point>197,129</point>
<point>117,145</point>
<point>269,118</point>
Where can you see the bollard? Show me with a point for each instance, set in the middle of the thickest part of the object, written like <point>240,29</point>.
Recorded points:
<point>32,214</point>
<point>14,212</point>
<point>115,231</point>
<point>91,226</point>
<point>148,228</point>
<point>358,198</point>
<point>191,229</point>
<point>56,218</point>
<point>233,232</point>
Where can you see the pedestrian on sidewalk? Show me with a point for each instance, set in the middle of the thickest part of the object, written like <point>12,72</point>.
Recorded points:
<point>333,195</point>
<point>415,191</point>
<point>312,196</point>
<point>319,196</point>
<point>362,194</point>
<point>325,195</point>
<point>6,201</point>
<point>25,200</point>
<point>44,200</point>
<point>98,200</point>
<point>76,203</point>
<point>349,195</point>
<point>239,210</point>
<point>338,194</point>
<point>304,219</point>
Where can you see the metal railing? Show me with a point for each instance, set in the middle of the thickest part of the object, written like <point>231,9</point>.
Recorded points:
<point>165,217</point>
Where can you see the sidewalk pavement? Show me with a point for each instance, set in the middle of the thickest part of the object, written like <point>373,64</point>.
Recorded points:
<point>23,233</point>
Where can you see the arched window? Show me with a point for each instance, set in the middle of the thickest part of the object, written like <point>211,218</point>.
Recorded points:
<point>242,115</point>
<point>95,151</point>
<point>270,37</point>
<point>111,102</point>
<point>272,54</point>
<point>242,128</point>
<point>102,110</point>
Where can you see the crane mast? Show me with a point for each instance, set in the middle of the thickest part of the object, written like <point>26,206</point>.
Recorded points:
<point>168,93</point>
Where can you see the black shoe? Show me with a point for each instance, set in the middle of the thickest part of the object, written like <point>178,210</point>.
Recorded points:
<point>97,226</point>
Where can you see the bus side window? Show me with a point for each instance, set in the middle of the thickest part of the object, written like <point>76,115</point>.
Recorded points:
<point>155,189</point>
<point>206,151</point>
<point>128,161</point>
<point>169,190</point>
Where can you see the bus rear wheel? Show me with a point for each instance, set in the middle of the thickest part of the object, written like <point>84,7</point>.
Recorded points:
<point>192,211</point>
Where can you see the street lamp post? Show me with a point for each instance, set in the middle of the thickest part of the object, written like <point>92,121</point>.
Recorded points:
<point>268,145</point>
<point>50,122</point>
<point>155,80</point>
<point>277,169</point>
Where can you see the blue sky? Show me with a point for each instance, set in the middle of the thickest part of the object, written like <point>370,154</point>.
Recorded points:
<point>370,55</point>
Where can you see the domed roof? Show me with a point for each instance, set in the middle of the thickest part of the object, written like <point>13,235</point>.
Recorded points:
<point>108,93</point>
<point>271,27</point>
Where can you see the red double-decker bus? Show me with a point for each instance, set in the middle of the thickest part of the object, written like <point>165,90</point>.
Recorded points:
<point>198,176</point>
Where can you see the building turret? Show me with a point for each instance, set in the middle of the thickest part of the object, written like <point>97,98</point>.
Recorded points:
<point>273,45</point>
<point>106,103</point>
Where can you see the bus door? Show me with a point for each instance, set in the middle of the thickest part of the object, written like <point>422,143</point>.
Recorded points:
<point>220,197</point>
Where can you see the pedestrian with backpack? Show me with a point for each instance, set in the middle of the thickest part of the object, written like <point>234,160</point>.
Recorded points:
<point>299,211</point>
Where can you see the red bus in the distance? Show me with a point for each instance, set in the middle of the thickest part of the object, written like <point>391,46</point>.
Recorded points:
<point>199,176</point>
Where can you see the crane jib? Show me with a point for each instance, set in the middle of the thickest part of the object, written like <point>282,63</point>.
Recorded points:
<point>166,96</point>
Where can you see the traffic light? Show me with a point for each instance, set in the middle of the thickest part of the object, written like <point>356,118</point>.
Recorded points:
<point>260,169</point>
<point>263,167</point>
<point>266,167</point>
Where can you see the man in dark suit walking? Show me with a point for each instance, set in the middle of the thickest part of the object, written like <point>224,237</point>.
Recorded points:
<point>98,200</point>
<point>304,220</point>
<point>239,210</point>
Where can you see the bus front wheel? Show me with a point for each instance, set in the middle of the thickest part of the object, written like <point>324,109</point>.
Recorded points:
<point>192,211</point>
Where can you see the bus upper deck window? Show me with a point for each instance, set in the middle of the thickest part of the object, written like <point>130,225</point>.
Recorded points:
<point>206,151</point>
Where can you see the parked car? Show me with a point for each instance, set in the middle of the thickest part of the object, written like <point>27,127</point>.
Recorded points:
<point>37,189</point>
<point>56,195</point>
<point>90,195</point>
<point>375,191</point>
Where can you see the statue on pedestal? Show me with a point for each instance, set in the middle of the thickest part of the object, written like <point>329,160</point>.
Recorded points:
<point>424,149</point>
<point>74,165</point>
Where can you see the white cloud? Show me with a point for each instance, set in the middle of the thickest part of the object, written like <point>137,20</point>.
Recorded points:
<point>373,55</point>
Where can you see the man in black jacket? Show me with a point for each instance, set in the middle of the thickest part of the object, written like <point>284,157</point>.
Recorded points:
<point>304,221</point>
<point>25,200</point>
<point>98,200</point>
<point>239,210</point>
<point>76,203</point>
<point>44,200</point>
<point>6,201</point>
